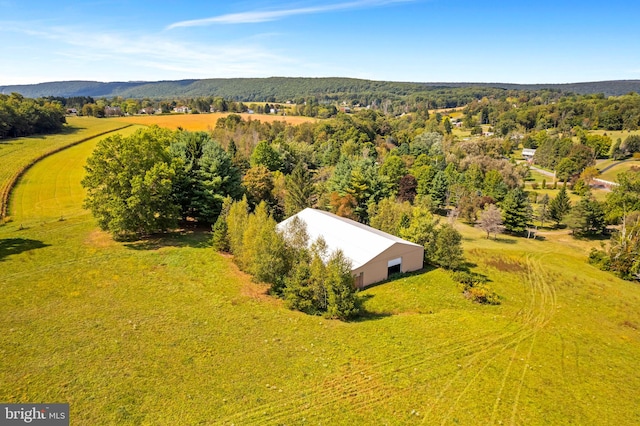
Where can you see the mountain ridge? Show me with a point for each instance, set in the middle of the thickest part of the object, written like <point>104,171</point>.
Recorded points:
<point>283,88</point>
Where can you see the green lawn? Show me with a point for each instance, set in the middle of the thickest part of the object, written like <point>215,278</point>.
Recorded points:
<point>166,331</point>
<point>615,134</point>
<point>16,154</point>
<point>620,167</point>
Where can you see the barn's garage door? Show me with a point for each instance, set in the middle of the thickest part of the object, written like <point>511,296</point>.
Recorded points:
<point>394,266</point>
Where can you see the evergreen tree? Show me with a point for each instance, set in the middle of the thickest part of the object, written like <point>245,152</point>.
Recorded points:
<point>543,210</point>
<point>587,217</point>
<point>343,302</point>
<point>299,190</point>
<point>438,190</point>
<point>220,235</point>
<point>516,211</point>
<point>232,149</point>
<point>447,251</point>
<point>559,206</point>
<point>236,223</point>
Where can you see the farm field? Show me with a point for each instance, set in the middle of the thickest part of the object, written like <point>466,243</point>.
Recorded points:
<point>166,331</point>
<point>204,121</point>
<point>615,134</point>
<point>15,154</point>
<point>619,167</point>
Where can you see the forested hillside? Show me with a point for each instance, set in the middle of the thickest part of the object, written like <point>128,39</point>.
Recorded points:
<point>280,89</point>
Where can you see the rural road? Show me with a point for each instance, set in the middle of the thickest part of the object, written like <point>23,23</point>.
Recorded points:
<point>543,172</point>
<point>606,183</point>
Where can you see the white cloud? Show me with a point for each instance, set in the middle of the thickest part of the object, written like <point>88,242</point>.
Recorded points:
<point>253,17</point>
<point>126,56</point>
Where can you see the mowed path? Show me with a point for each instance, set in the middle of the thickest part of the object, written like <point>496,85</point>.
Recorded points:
<point>51,191</point>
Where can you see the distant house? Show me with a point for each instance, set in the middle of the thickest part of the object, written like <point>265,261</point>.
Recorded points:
<point>72,111</point>
<point>528,153</point>
<point>110,111</point>
<point>374,255</point>
<point>181,109</point>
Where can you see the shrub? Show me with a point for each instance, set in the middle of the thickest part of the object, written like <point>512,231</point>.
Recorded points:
<point>475,287</point>
<point>599,259</point>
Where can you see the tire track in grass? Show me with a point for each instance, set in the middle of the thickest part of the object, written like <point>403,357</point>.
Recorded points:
<point>368,387</point>
<point>329,393</point>
<point>548,307</point>
<point>348,385</point>
<point>539,310</point>
<point>526,316</point>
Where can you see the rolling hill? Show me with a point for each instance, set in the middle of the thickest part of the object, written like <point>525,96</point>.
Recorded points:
<point>282,88</point>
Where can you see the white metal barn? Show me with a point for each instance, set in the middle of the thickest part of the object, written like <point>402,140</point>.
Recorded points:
<point>374,254</point>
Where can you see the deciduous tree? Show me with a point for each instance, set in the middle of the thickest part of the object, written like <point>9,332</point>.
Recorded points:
<point>490,220</point>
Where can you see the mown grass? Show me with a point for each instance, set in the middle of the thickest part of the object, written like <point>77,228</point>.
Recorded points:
<point>615,134</point>
<point>205,121</point>
<point>620,167</point>
<point>17,154</point>
<point>168,332</point>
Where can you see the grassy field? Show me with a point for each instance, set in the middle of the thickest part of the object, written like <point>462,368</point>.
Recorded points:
<point>166,331</point>
<point>204,121</point>
<point>612,173</point>
<point>615,134</point>
<point>16,154</point>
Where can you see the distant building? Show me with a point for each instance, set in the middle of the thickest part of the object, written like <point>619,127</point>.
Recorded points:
<point>110,111</point>
<point>528,154</point>
<point>181,109</point>
<point>374,255</point>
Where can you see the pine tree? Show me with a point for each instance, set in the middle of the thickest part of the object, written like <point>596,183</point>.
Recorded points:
<point>516,210</point>
<point>448,248</point>
<point>438,190</point>
<point>299,190</point>
<point>559,206</point>
<point>587,217</point>
<point>343,302</point>
<point>220,238</point>
<point>543,210</point>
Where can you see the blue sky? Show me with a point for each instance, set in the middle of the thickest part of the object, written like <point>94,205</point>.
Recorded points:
<point>401,40</point>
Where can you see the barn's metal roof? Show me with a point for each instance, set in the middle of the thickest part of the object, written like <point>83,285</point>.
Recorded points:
<point>359,242</point>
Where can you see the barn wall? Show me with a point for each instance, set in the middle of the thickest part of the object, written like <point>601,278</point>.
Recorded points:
<point>376,269</point>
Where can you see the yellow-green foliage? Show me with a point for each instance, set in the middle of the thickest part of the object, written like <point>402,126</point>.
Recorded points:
<point>166,331</point>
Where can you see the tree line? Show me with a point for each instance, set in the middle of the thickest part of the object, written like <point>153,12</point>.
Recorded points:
<point>20,116</point>
<point>362,165</point>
